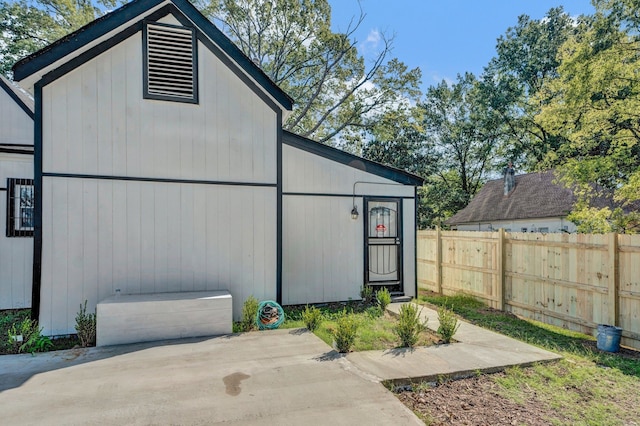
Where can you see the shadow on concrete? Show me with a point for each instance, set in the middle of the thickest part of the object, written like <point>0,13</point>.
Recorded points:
<point>329,356</point>
<point>398,352</point>
<point>298,331</point>
<point>17,369</point>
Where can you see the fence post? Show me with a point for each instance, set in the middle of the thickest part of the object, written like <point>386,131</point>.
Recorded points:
<point>438,260</point>
<point>500,262</point>
<point>614,280</point>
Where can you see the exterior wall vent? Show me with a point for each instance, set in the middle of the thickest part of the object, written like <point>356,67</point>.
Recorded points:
<point>170,63</point>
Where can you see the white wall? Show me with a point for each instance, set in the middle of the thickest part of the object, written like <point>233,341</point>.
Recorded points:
<point>16,127</point>
<point>16,253</point>
<point>99,235</point>
<point>95,121</point>
<point>146,237</point>
<point>323,248</point>
<point>554,224</point>
<point>309,173</point>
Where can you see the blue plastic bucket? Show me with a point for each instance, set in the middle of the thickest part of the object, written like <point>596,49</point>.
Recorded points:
<point>608,338</point>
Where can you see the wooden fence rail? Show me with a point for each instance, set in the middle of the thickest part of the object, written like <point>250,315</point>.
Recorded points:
<point>576,281</point>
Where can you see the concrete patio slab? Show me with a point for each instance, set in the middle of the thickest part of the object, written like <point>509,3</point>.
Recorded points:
<point>477,350</point>
<point>284,377</point>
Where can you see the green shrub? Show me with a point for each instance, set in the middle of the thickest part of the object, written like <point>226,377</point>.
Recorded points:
<point>312,317</point>
<point>409,326</point>
<point>448,324</point>
<point>374,312</point>
<point>27,337</point>
<point>366,293</point>
<point>86,326</point>
<point>345,332</point>
<point>249,314</point>
<point>384,298</point>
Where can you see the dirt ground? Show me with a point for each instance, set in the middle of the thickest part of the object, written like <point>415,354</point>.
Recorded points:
<point>476,401</point>
<point>472,401</point>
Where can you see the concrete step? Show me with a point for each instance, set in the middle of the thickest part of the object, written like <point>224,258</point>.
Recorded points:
<point>401,298</point>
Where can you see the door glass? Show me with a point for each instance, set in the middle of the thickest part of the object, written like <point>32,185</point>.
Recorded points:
<point>383,219</point>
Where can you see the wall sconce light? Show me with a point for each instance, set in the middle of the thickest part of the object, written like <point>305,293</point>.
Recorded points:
<point>354,212</point>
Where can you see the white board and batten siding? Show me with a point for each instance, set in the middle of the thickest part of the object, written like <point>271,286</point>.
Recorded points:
<point>134,231</point>
<point>323,247</point>
<point>16,127</point>
<point>16,253</point>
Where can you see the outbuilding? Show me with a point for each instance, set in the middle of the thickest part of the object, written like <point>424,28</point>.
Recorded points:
<point>161,165</point>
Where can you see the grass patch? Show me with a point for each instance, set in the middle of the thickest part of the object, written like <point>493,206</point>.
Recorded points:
<point>547,336</point>
<point>375,328</point>
<point>588,386</point>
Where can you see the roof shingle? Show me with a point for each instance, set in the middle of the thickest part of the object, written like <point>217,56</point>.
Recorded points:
<point>535,196</point>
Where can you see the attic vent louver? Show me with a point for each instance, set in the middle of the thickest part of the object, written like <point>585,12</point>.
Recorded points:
<point>170,63</point>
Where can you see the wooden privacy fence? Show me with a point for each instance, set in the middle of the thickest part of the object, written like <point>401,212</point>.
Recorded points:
<point>576,281</point>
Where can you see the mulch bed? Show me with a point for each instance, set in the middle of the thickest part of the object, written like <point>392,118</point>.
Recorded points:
<point>473,401</point>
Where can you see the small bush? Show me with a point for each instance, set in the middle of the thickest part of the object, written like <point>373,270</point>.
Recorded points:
<point>27,337</point>
<point>366,293</point>
<point>384,298</point>
<point>86,326</point>
<point>374,312</point>
<point>409,326</point>
<point>448,324</point>
<point>345,332</point>
<point>249,314</point>
<point>312,317</point>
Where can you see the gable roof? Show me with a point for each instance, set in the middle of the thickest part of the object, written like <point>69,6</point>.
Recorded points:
<point>351,160</point>
<point>20,98</point>
<point>39,63</point>
<point>535,196</point>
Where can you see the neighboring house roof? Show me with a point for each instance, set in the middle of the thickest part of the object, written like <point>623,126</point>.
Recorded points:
<point>535,196</point>
<point>48,58</point>
<point>351,160</point>
<point>21,98</point>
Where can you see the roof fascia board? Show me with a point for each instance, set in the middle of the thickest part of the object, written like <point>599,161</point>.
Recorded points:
<point>86,37</point>
<point>31,69</point>
<point>235,54</point>
<point>13,95</point>
<point>337,155</point>
<point>127,32</point>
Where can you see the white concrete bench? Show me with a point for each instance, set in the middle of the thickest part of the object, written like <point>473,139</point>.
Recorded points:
<point>134,318</point>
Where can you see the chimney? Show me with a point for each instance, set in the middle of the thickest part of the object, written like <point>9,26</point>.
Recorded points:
<point>509,179</point>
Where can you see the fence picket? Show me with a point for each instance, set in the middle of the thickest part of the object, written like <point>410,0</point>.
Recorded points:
<point>575,281</point>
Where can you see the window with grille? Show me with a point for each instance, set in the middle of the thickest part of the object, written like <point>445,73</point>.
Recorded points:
<point>20,199</point>
<point>170,63</point>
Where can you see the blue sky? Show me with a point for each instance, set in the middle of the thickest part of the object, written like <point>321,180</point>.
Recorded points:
<point>444,37</point>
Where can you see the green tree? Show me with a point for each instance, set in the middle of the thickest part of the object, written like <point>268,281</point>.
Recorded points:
<point>336,93</point>
<point>398,139</point>
<point>27,26</point>
<point>594,105</point>
<point>464,136</point>
<point>526,58</point>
